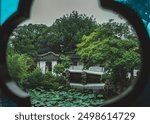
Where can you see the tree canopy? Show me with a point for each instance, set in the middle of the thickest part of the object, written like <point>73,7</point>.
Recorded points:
<point>24,39</point>
<point>67,31</point>
<point>19,66</point>
<point>113,46</point>
<point>62,36</point>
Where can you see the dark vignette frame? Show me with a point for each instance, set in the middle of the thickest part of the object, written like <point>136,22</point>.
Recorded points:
<point>8,87</point>
<point>128,98</point>
<point>131,96</point>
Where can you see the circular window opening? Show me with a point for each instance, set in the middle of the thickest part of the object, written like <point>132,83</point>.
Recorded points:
<point>76,55</point>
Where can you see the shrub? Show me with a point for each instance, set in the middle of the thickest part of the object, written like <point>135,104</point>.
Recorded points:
<point>35,79</point>
<point>65,61</point>
<point>19,67</point>
<point>53,82</point>
<point>59,69</point>
<point>45,81</point>
<point>48,76</point>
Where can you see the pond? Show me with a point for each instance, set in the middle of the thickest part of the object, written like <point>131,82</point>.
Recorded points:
<point>70,98</point>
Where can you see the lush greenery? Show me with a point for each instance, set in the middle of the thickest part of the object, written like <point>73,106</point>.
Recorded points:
<point>116,50</point>
<point>19,66</point>
<point>65,61</point>
<point>60,98</point>
<point>62,36</point>
<point>45,81</point>
<point>24,39</point>
<point>112,45</point>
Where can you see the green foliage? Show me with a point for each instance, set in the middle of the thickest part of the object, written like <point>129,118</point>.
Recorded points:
<point>112,53</point>
<point>65,61</point>
<point>67,31</point>
<point>19,67</point>
<point>53,82</point>
<point>35,79</point>
<point>116,29</point>
<point>70,98</point>
<point>113,49</point>
<point>110,47</point>
<point>45,81</point>
<point>130,60</point>
<point>59,69</point>
<point>48,76</point>
<point>25,39</point>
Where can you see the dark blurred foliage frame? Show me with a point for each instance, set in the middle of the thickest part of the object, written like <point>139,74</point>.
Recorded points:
<point>8,87</point>
<point>130,97</point>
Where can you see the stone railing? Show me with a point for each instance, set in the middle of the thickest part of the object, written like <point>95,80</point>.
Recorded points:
<point>82,77</point>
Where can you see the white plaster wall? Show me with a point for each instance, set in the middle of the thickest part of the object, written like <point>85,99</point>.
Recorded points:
<point>135,72</point>
<point>38,64</point>
<point>42,66</point>
<point>53,64</point>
